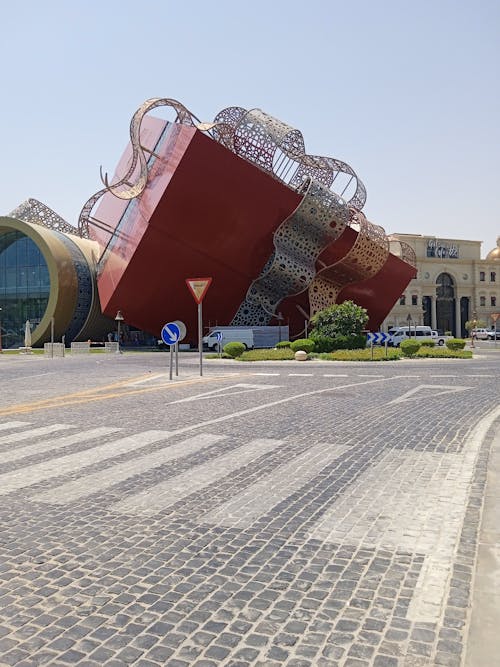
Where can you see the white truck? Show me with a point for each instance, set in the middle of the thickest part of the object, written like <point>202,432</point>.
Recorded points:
<point>260,337</point>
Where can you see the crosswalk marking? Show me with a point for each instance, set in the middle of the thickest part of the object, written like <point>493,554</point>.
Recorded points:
<point>8,425</point>
<point>71,462</point>
<point>241,510</point>
<point>33,433</point>
<point>54,444</point>
<point>167,493</point>
<point>98,481</point>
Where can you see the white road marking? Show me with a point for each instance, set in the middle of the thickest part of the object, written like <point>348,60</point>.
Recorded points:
<point>63,465</point>
<point>98,481</point>
<point>241,510</point>
<point>8,425</point>
<point>414,501</point>
<point>231,390</point>
<point>302,375</point>
<point>33,433</point>
<point>54,444</point>
<point>264,374</point>
<point>335,375</point>
<point>167,493</point>
<point>426,391</point>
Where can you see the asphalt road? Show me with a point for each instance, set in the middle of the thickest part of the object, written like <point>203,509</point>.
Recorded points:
<point>264,514</point>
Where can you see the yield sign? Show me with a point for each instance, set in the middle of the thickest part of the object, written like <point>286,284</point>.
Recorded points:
<point>198,287</point>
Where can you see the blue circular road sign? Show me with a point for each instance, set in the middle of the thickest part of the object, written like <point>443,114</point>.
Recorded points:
<point>170,333</point>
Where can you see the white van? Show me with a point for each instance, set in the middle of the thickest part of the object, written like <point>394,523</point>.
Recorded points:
<point>231,335</point>
<point>402,333</point>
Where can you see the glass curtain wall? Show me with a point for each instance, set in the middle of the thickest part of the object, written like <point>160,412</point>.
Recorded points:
<point>24,286</point>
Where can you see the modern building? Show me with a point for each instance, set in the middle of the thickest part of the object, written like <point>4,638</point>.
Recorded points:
<point>47,277</point>
<point>453,285</point>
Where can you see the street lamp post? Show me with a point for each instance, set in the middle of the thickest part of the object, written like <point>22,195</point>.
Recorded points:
<point>118,319</point>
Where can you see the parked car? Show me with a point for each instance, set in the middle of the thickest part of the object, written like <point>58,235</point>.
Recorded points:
<point>480,334</point>
<point>492,334</point>
<point>438,338</point>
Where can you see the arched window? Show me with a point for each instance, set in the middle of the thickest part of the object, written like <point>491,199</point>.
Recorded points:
<point>482,276</point>
<point>493,301</point>
<point>482,301</point>
<point>493,276</point>
<point>414,300</point>
<point>402,300</point>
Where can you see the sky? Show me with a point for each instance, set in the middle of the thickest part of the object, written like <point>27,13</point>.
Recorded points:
<point>406,92</point>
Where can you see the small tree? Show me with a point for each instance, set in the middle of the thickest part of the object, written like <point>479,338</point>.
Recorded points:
<point>341,319</point>
<point>474,324</point>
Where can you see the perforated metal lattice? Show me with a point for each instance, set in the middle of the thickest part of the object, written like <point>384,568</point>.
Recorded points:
<point>319,219</point>
<point>365,259</point>
<point>38,213</point>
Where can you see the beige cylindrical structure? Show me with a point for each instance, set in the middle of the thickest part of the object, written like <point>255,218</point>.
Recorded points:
<point>73,303</point>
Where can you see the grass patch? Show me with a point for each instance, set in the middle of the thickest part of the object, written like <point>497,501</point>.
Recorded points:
<point>223,355</point>
<point>362,355</point>
<point>280,354</point>
<point>443,353</point>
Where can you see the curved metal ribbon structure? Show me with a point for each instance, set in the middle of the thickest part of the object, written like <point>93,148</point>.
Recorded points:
<point>403,250</point>
<point>319,219</point>
<point>364,260</point>
<point>124,189</point>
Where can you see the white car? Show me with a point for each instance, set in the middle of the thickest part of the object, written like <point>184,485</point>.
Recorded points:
<point>480,334</point>
<point>437,338</point>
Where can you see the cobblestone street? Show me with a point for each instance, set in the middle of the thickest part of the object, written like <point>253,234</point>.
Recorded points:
<point>266,514</point>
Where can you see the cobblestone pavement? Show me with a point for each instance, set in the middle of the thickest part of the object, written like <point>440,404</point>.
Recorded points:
<point>271,514</point>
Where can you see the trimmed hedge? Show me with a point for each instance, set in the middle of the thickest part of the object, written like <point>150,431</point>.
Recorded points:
<point>282,354</point>
<point>443,353</point>
<point>455,344</point>
<point>283,343</point>
<point>427,342</point>
<point>327,344</point>
<point>409,347</point>
<point>305,344</point>
<point>234,349</point>
<point>362,355</point>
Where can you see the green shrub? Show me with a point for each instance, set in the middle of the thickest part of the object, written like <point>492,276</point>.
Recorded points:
<point>283,343</point>
<point>323,343</point>
<point>328,344</point>
<point>409,347</point>
<point>443,353</point>
<point>455,344</point>
<point>234,349</point>
<point>305,344</point>
<point>427,342</point>
<point>363,355</point>
<point>281,354</point>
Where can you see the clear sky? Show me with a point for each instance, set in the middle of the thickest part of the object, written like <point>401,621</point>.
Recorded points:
<point>406,92</point>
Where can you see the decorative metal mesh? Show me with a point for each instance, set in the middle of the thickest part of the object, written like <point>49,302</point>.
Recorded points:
<point>319,219</point>
<point>36,212</point>
<point>124,188</point>
<point>365,259</point>
<point>403,250</point>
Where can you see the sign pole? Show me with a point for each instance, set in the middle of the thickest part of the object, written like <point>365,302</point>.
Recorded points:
<point>177,359</point>
<point>198,288</point>
<point>171,361</point>
<point>200,337</point>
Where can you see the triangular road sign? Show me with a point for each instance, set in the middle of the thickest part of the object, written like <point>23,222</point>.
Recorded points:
<point>198,287</point>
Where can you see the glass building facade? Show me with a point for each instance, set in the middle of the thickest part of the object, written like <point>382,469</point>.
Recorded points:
<point>24,286</point>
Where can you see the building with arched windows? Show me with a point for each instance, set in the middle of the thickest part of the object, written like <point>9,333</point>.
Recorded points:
<point>453,285</point>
